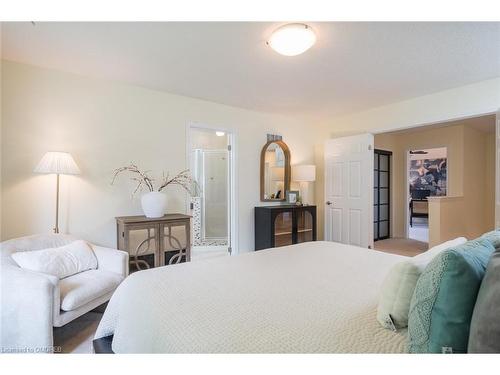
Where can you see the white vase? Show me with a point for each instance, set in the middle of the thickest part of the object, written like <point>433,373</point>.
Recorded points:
<point>154,204</point>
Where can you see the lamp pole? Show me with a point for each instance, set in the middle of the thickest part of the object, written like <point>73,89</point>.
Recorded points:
<point>55,162</point>
<point>56,229</point>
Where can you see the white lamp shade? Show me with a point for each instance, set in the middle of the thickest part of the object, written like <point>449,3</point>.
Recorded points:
<point>57,163</point>
<point>304,173</point>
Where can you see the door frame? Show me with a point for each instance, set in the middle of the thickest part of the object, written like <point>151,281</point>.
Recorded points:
<point>407,183</point>
<point>389,213</point>
<point>497,169</point>
<point>233,235</point>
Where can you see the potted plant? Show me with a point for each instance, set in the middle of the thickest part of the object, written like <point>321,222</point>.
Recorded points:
<point>154,202</point>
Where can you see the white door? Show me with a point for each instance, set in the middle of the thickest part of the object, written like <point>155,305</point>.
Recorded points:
<point>349,190</point>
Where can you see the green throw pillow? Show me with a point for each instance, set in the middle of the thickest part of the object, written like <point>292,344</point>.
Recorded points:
<point>444,299</point>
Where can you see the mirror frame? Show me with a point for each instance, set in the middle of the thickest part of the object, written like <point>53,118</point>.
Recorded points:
<point>288,170</point>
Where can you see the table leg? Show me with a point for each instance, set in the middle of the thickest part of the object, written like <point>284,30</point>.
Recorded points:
<point>188,241</point>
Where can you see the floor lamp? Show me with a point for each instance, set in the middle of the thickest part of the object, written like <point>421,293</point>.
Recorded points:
<point>57,163</point>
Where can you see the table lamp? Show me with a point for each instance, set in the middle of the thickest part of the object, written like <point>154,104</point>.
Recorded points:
<point>304,174</point>
<point>57,163</point>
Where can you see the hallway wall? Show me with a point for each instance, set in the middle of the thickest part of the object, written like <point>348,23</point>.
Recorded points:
<point>471,171</point>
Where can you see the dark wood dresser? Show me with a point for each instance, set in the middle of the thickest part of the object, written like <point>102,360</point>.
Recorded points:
<point>284,225</point>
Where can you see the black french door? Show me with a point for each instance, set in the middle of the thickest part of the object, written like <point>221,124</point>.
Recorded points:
<point>381,195</point>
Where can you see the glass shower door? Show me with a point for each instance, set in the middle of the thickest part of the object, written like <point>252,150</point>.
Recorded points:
<point>215,195</point>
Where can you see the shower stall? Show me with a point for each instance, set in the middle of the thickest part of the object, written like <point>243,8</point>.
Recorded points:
<point>210,207</point>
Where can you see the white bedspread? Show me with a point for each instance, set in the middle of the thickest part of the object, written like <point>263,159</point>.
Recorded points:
<point>307,298</point>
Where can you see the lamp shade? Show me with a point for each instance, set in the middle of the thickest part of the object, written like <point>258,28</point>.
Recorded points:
<point>304,173</point>
<point>57,163</point>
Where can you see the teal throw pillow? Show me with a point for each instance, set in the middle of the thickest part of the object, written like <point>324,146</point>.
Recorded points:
<point>493,237</point>
<point>444,299</point>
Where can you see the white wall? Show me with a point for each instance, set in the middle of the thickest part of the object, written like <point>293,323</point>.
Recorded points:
<point>466,101</point>
<point>105,125</point>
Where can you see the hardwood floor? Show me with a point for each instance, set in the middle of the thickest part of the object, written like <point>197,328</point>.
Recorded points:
<point>76,336</point>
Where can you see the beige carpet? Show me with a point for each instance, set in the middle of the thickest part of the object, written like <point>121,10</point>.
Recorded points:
<point>401,246</point>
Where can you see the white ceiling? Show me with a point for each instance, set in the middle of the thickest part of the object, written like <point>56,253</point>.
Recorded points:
<point>353,66</point>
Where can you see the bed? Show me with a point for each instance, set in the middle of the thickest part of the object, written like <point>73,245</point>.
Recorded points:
<point>315,297</point>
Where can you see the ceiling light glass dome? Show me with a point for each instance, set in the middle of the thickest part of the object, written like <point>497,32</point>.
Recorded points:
<point>292,39</point>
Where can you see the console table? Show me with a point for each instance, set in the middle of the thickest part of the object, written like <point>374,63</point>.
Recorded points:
<point>155,242</point>
<point>284,225</point>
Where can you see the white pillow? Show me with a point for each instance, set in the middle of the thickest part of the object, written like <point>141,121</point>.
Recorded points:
<point>61,261</point>
<point>397,290</point>
<point>422,260</point>
<point>399,285</point>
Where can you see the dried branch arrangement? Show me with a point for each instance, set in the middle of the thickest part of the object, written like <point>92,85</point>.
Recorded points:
<point>143,180</point>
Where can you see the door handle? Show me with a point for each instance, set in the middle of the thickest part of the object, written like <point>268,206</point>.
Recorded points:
<point>328,203</point>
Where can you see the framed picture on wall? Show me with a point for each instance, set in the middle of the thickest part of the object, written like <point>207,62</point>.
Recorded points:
<point>292,196</point>
<point>428,175</point>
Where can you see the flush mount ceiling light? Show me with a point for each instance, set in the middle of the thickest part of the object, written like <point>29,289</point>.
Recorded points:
<point>292,39</point>
<point>219,134</point>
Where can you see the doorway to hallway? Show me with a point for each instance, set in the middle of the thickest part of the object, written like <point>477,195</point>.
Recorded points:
<point>427,171</point>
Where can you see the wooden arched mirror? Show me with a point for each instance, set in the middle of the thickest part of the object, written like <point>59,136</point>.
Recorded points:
<point>275,172</point>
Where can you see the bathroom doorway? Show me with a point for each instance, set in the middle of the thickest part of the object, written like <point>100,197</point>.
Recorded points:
<point>211,155</point>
